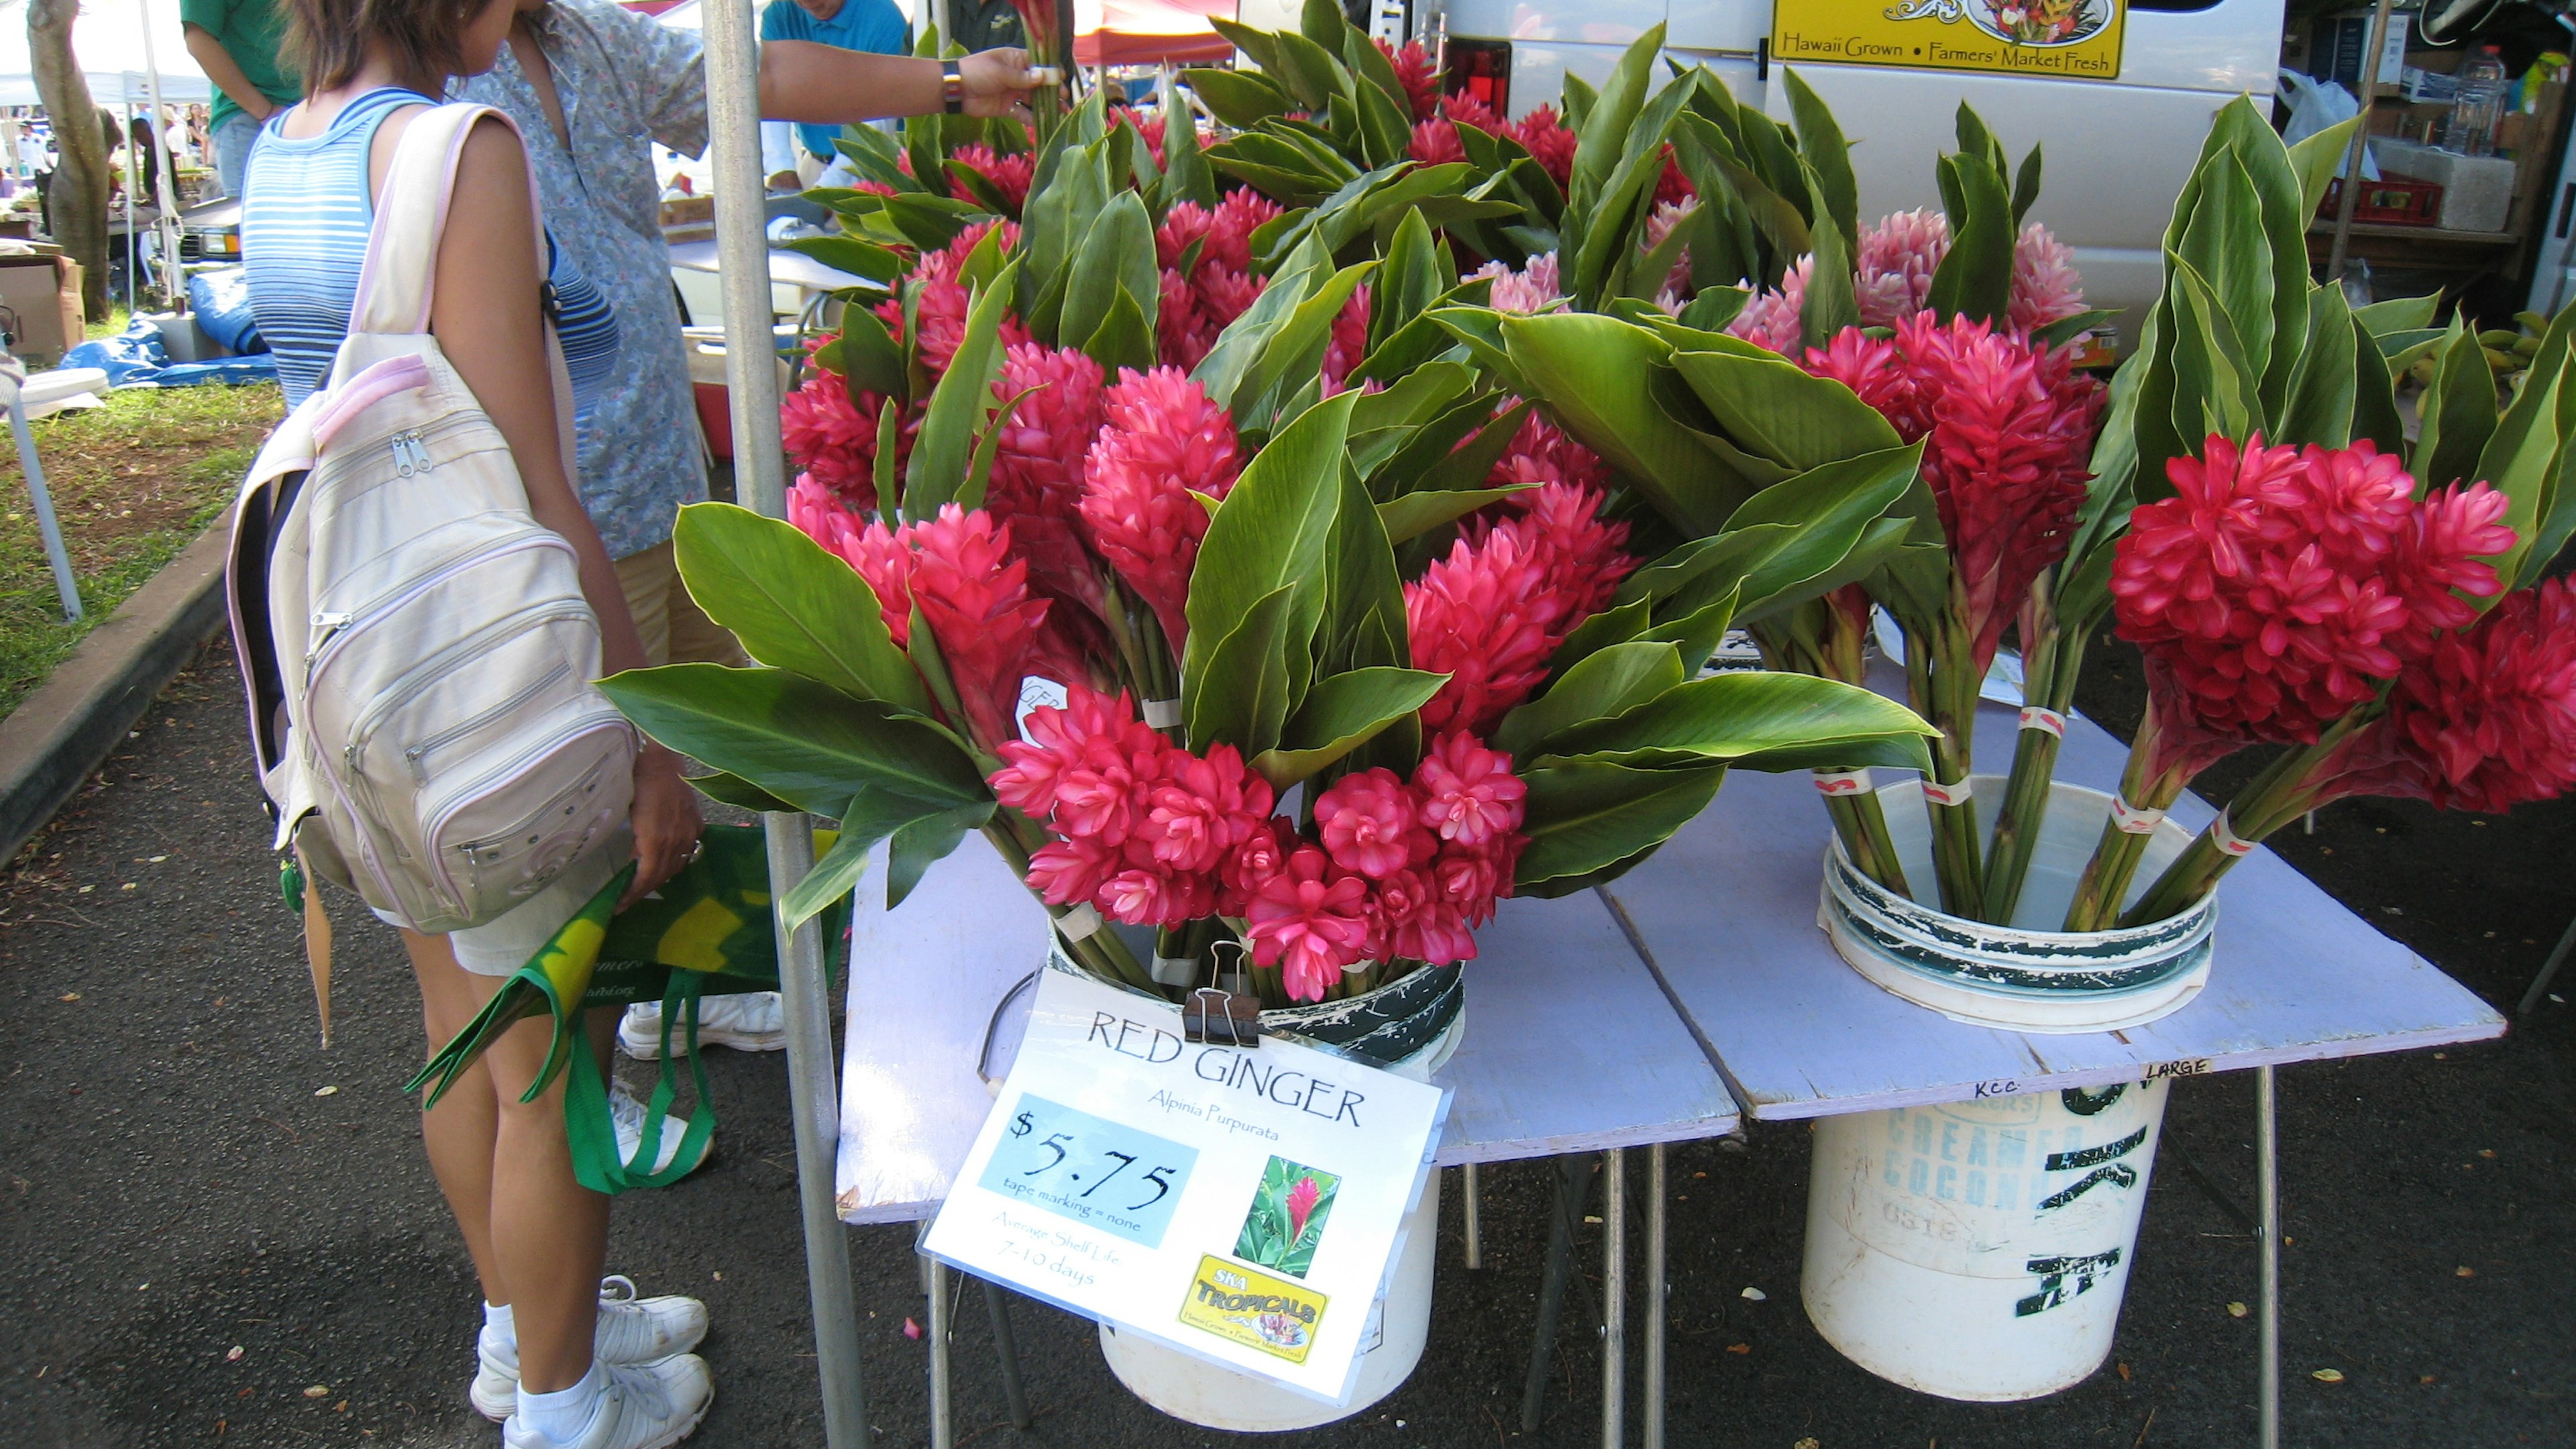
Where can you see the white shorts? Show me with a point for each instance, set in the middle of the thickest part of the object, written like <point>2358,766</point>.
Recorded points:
<point>500,947</point>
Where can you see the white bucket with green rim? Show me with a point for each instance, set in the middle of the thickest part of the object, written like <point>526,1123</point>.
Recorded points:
<point>1979,1250</point>
<point>2027,976</point>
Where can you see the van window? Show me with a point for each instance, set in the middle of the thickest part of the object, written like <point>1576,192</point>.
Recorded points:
<point>2176,7</point>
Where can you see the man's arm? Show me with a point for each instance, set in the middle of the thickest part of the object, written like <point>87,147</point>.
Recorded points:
<point>802,80</point>
<point>219,66</point>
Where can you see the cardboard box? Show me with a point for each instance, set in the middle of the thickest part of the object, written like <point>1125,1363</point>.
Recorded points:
<point>45,292</point>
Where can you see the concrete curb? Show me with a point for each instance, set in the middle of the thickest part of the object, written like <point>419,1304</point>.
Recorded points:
<point>76,718</point>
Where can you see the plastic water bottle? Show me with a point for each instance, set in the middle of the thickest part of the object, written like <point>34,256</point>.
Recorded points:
<point>2470,129</point>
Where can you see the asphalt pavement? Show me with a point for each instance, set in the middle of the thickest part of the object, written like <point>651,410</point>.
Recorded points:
<point>217,1232</point>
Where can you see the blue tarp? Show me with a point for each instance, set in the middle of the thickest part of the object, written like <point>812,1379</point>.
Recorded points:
<point>135,358</point>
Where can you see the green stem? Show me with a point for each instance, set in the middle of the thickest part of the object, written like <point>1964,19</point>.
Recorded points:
<point>2280,794</point>
<point>1101,953</point>
<point>2116,854</point>
<point>1945,691</point>
<point>1863,828</point>
<point>2049,671</point>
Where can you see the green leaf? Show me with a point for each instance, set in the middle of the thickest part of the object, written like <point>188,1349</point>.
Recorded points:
<point>738,792</point>
<point>2521,458</point>
<point>2316,159</point>
<point>1116,256</point>
<point>1614,625</point>
<point>1593,373</point>
<point>1239,98</point>
<point>792,605</point>
<point>2374,395</point>
<point>849,254</point>
<point>1416,273</point>
<point>1755,718</point>
<point>2319,406</point>
<point>2458,411</point>
<point>2398,314</point>
<point>832,877</point>
<point>1241,343</point>
<point>1241,698</point>
<point>804,742</point>
<point>1271,534</point>
<point>1363,616</point>
<point>1341,713</point>
<point>2226,247</point>
<point>871,360</point>
<point>2026,185</point>
<point>1975,278</point>
<point>2214,390</point>
<point>1781,411</point>
<point>1830,305</point>
<point>1186,176</point>
<point>1292,357</point>
<point>958,404</point>
<point>1125,338</point>
<point>1603,684</point>
<point>1311,73</point>
<point>1820,141</point>
<point>1585,815</point>
<point>916,845</point>
<point>1412,515</point>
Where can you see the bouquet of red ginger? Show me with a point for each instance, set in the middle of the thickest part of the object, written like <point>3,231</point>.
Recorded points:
<point>1252,654</point>
<point>2308,597</point>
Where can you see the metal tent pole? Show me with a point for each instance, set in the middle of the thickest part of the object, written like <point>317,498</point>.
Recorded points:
<point>165,225</point>
<point>751,382</point>
<point>2267,1169</point>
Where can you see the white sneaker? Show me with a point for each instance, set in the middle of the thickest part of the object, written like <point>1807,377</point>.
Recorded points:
<point>641,1406</point>
<point>628,1112</point>
<point>747,1021</point>
<point>631,1331</point>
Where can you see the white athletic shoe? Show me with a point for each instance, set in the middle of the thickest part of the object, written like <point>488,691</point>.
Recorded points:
<point>628,1111</point>
<point>631,1331</point>
<point>641,1406</point>
<point>747,1021</point>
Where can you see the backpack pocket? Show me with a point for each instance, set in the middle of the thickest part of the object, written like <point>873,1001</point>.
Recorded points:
<point>501,837</point>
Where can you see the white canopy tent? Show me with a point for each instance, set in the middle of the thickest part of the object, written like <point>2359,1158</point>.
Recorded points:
<point>108,41</point>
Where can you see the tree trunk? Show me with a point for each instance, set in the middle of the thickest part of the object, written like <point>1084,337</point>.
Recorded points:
<point>78,195</point>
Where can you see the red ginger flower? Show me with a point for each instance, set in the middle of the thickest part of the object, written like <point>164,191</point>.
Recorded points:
<point>1348,346</point>
<point>1548,140</point>
<point>1219,285</point>
<point>2487,719</point>
<point>1541,452</point>
<point>830,438</point>
<point>1415,72</point>
<point>1311,921</point>
<point>2010,431</point>
<point>1036,484</point>
<point>1009,174</point>
<point>1160,439</point>
<point>1435,134</point>
<point>1091,728</point>
<point>1203,811</point>
<point>2277,586</point>
<point>943,300</point>
<point>1150,130</point>
<point>1262,854</point>
<point>1367,823</point>
<point>974,594</point>
<point>1470,797</point>
<point>1492,612</point>
<point>1303,1197</point>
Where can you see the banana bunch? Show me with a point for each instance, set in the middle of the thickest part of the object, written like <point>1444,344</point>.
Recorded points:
<point>2510,350</point>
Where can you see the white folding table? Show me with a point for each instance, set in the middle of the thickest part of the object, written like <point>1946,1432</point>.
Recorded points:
<point>1725,916</point>
<point>1569,1046</point>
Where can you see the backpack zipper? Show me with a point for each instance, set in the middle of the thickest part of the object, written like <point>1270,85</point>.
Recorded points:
<point>449,735</point>
<point>435,670</point>
<point>411,455</point>
<point>325,649</point>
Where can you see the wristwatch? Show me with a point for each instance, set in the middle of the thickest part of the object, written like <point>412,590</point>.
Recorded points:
<point>952,88</point>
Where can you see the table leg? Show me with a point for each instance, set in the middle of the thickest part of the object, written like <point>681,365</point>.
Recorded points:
<point>1570,1173</point>
<point>2267,1172</point>
<point>1475,1249</point>
<point>50,531</point>
<point>997,1306</point>
<point>1655,1288</point>
<point>1614,1296</point>
<point>943,1420</point>
<point>2530,999</point>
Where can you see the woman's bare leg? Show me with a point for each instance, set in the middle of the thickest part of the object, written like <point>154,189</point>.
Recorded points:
<point>546,1235</point>
<point>460,1130</point>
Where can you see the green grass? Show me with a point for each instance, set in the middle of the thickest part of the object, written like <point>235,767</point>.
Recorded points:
<point>133,483</point>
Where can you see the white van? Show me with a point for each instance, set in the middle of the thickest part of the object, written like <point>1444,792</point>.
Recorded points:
<point>2116,151</point>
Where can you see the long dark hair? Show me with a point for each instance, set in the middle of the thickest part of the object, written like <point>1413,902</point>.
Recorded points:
<point>326,40</point>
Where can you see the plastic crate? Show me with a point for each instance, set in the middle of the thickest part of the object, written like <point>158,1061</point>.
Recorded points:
<point>2387,202</point>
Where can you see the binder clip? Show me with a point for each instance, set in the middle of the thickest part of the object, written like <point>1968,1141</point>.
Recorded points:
<point>1222,1016</point>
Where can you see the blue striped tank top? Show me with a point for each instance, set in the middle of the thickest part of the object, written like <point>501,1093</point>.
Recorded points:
<point>305,213</point>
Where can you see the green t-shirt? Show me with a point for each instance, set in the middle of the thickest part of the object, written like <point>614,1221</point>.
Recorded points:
<point>252,33</point>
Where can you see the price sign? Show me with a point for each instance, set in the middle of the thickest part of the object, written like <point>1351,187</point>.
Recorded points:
<point>1241,1204</point>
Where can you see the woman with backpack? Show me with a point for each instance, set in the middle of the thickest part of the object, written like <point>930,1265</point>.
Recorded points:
<point>565,1358</point>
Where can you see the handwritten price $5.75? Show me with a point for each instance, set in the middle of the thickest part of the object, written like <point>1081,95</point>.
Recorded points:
<point>1103,1174</point>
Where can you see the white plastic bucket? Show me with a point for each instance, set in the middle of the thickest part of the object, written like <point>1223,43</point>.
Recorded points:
<point>2027,976</point>
<point>1979,1250</point>
<point>1215,1397</point>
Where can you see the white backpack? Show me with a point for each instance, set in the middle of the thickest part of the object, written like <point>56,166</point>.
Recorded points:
<point>415,646</point>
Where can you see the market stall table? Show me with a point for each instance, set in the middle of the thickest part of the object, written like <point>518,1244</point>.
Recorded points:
<point>2295,977</point>
<point>932,1027</point>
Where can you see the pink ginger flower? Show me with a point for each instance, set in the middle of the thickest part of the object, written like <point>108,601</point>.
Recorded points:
<point>1770,318</point>
<point>1219,285</point>
<point>831,438</point>
<point>2486,720</point>
<point>1549,141</point>
<point>1897,257</point>
<point>1533,289</point>
<point>1469,795</point>
<point>1416,73</point>
<point>1161,439</point>
<point>1435,135</point>
<point>1066,872</point>
<point>1368,825</point>
<point>1303,1197</point>
<point>1542,453</point>
<point>2436,557</point>
<point>944,300</point>
<point>1481,616</point>
<point>1262,854</point>
<point>1204,809</point>
<point>819,515</point>
<point>1418,923</point>
<point>1036,483</point>
<point>2045,286</point>
<point>1348,346</point>
<point>1470,883</point>
<point>1309,920</point>
<point>1659,225</point>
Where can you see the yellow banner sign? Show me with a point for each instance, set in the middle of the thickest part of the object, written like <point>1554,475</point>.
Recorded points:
<point>2071,39</point>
